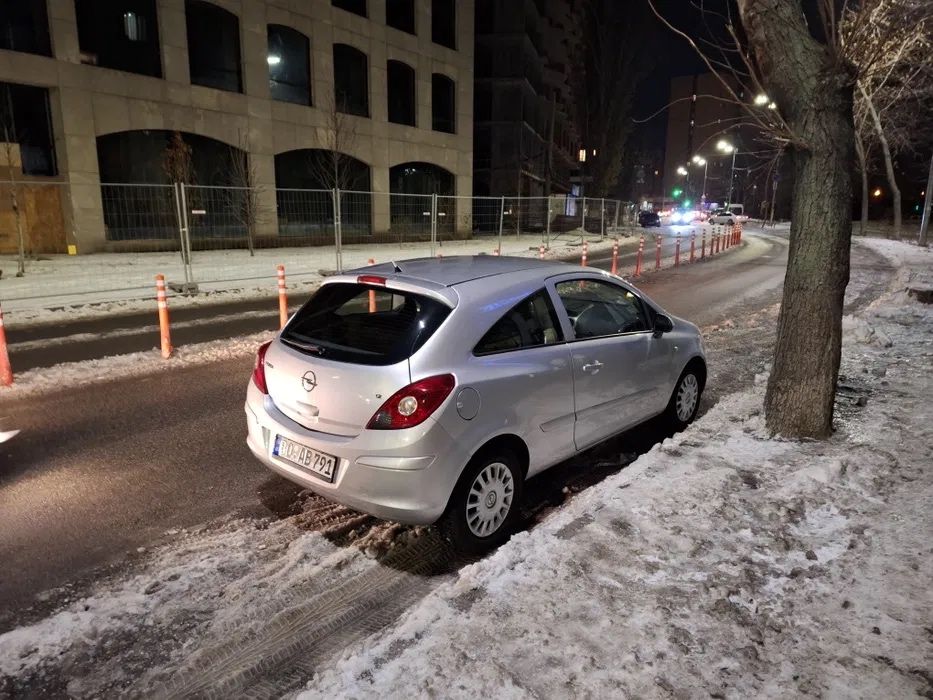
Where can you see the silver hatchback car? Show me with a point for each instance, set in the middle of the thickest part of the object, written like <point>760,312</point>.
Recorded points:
<point>430,390</point>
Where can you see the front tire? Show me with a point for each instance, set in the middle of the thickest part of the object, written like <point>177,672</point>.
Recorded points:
<point>685,401</point>
<point>485,504</point>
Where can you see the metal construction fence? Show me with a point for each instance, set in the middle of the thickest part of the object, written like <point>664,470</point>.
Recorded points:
<point>211,238</point>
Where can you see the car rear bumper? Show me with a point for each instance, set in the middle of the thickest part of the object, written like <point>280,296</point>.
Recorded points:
<point>402,475</point>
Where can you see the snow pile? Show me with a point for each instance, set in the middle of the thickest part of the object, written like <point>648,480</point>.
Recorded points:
<point>722,563</point>
<point>76,374</point>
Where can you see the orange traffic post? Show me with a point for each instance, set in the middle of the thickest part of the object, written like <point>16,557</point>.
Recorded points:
<point>283,298</point>
<point>703,245</point>
<point>640,256</point>
<point>372,294</point>
<point>586,250</point>
<point>677,251</point>
<point>693,246</point>
<point>714,246</point>
<point>541,252</point>
<point>6,369</point>
<point>657,253</point>
<point>163,317</point>
<point>615,257</point>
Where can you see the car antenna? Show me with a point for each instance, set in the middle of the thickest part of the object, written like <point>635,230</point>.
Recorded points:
<point>395,265</point>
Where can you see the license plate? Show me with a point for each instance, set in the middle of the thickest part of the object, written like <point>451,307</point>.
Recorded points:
<point>317,463</point>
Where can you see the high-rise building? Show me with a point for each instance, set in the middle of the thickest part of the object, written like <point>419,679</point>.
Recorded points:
<point>93,92</point>
<point>524,135</point>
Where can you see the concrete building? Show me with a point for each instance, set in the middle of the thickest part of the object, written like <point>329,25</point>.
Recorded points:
<point>108,83</point>
<point>523,99</point>
<point>699,116</point>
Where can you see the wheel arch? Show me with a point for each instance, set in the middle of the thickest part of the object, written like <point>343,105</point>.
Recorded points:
<point>698,364</point>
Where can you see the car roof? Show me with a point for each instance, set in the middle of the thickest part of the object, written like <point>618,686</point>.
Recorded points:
<point>457,269</point>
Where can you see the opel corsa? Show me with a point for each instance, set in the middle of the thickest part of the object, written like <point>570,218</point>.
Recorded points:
<point>430,390</point>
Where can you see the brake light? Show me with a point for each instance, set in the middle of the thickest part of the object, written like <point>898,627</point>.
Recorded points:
<point>371,279</point>
<point>259,369</point>
<point>412,405</point>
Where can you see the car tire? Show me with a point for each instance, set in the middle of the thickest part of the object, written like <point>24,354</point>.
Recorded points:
<point>475,521</point>
<point>685,400</point>
<point>730,222</point>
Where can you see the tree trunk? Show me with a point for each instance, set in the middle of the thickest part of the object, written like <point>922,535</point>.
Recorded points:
<point>863,167</point>
<point>888,161</point>
<point>814,92</point>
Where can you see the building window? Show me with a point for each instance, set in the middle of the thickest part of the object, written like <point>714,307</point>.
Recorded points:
<point>213,46</point>
<point>444,23</point>
<point>351,80</point>
<point>25,120</point>
<point>357,7</point>
<point>400,14</point>
<point>443,104</point>
<point>24,26</point>
<point>289,65</point>
<point>401,87</point>
<point>122,35</point>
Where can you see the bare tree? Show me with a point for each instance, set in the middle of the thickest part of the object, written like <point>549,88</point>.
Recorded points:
<point>176,160</point>
<point>609,64</point>
<point>890,42</point>
<point>331,165</point>
<point>244,195</point>
<point>9,152</point>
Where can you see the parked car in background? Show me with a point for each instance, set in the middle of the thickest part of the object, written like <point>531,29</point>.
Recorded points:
<point>648,218</point>
<point>734,213</point>
<point>430,390</point>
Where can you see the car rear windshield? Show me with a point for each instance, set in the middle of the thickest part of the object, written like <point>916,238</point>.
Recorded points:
<point>363,324</point>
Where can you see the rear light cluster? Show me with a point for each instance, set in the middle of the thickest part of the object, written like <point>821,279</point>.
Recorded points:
<point>412,405</point>
<point>259,369</point>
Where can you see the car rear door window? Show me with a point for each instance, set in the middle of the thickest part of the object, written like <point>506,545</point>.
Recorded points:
<point>530,323</point>
<point>361,324</point>
<point>598,308</point>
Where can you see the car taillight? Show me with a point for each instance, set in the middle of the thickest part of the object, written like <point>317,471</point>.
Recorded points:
<point>412,405</point>
<point>259,369</point>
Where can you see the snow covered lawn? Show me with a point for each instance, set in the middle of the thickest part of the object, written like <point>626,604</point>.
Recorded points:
<point>721,564</point>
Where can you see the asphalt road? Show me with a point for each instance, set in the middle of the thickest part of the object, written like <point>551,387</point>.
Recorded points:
<point>99,472</point>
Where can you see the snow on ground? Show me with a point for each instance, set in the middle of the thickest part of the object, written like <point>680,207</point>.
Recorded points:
<point>722,563</point>
<point>99,283</point>
<point>76,374</point>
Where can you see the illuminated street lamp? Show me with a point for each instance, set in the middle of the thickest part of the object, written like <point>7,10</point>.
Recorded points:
<point>877,192</point>
<point>700,160</point>
<point>681,170</point>
<point>762,100</point>
<point>727,147</point>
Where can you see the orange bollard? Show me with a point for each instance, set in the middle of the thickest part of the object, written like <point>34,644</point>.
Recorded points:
<point>283,299</point>
<point>372,294</point>
<point>703,245</point>
<point>163,317</point>
<point>586,250</point>
<point>640,256</point>
<point>615,258</point>
<point>677,251</point>
<point>714,244</point>
<point>541,253</point>
<point>657,253</point>
<point>6,369</point>
<point>693,246</point>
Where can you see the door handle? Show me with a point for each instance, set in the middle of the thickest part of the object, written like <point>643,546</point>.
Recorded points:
<point>592,366</point>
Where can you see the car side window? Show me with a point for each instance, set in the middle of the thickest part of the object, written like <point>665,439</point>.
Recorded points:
<point>598,308</point>
<point>530,323</point>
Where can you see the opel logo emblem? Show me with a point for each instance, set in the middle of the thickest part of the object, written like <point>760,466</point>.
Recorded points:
<point>308,381</point>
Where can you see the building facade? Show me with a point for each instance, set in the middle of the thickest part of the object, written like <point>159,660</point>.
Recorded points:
<point>525,139</point>
<point>701,113</point>
<point>94,93</point>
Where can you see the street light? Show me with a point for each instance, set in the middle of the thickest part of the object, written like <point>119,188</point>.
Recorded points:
<point>700,160</point>
<point>727,147</point>
<point>681,170</point>
<point>762,100</point>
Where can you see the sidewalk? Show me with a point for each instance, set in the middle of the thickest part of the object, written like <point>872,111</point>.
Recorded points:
<point>723,563</point>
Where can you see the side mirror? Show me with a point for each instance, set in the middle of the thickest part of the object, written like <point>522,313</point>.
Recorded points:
<point>662,325</point>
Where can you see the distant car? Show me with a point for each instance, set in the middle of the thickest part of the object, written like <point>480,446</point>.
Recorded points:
<point>733,215</point>
<point>432,389</point>
<point>648,218</point>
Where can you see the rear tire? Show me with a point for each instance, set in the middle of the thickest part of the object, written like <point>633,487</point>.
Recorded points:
<point>485,504</point>
<point>685,401</point>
